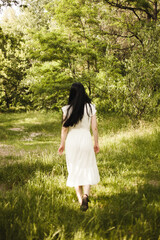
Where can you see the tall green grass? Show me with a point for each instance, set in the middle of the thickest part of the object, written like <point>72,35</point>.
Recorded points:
<point>35,202</point>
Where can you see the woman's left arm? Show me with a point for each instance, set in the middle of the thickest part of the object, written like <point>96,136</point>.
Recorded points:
<point>64,132</point>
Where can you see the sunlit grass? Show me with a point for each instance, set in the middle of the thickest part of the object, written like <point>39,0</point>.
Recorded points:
<point>35,202</point>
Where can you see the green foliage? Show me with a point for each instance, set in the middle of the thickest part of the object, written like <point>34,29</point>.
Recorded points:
<point>13,64</point>
<point>50,85</point>
<point>142,80</point>
<point>141,95</point>
<point>8,2</point>
<point>112,47</point>
<point>147,9</point>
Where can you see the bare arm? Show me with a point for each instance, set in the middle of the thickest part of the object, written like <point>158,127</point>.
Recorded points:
<point>95,133</point>
<point>64,132</point>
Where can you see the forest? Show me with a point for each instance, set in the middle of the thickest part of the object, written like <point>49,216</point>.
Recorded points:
<point>111,46</point>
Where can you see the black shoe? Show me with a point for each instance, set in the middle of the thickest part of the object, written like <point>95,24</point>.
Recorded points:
<point>85,201</point>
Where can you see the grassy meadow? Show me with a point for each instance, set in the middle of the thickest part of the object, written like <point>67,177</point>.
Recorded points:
<point>35,203</point>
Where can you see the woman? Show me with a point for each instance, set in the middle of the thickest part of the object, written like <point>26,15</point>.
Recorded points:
<point>80,154</point>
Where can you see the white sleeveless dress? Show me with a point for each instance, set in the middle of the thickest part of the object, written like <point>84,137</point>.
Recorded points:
<point>80,156</point>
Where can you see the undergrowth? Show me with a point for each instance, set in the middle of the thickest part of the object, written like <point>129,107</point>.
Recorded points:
<point>35,202</point>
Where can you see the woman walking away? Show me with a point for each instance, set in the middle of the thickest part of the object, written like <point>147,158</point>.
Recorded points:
<point>78,115</point>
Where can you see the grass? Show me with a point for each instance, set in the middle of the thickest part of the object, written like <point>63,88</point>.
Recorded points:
<point>35,202</point>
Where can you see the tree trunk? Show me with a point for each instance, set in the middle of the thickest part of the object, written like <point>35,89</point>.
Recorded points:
<point>155,10</point>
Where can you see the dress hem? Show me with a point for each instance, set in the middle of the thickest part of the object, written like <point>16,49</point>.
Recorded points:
<point>83,184</point>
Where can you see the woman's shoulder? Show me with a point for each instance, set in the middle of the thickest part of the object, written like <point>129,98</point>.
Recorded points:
<point>64,108</point>
<point>92,108</point>
<point>92,105</point>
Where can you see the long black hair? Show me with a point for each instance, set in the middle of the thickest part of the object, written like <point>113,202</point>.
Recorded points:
<point>77,99</point>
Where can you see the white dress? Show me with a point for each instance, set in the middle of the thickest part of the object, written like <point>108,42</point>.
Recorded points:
<point>80,156</point>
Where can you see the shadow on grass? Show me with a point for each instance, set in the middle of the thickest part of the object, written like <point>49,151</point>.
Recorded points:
<point>48,127</point>
<point>52,212</point>
<point>47,211</point>
<point>8,118</point>
<point>38,213</point>
<point>18,173</point>
<point>30,116</point>
<point>111,122</point>
<point>140,155</point>
<point>7,133</point>
<point>14,127</point>
<point>129,213</point>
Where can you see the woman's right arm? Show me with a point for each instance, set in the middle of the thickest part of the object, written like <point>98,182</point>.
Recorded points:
<point>95,133</point>
<point>64,132</point>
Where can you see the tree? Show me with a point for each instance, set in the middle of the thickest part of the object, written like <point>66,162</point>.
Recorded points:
<point>13,66</point>
<point>148,9</point>
<point>90,43</point>
<point>112,47</point>
<point>8,3</point>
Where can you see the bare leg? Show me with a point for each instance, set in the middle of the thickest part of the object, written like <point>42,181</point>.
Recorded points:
<point>86,189</point>
<point>79,193</point>
<point>85,200</point>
